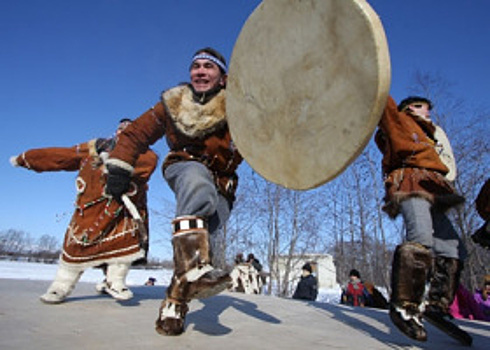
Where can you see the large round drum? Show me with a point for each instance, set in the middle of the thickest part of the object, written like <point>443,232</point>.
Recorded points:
<point>308,81</point>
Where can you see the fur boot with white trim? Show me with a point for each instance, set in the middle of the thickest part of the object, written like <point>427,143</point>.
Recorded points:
<point>412,265</point>
<point>171,317</point>
<point>65,280</point>
<point>194,276</point>
<point>102,287</point>
<point>116,281</point>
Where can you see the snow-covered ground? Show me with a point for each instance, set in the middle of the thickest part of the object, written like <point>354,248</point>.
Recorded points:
<point>46,272</point>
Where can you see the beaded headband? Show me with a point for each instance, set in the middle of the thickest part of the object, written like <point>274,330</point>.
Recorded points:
<point>204,56</point>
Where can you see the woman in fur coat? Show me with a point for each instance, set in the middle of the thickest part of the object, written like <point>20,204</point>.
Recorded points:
<point>419,168</point>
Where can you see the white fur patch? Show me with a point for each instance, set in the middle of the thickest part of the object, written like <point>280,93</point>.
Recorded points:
<point>169,311</point>
<point>403,313</point>
<point>194,274</point>
<point>121,164</point>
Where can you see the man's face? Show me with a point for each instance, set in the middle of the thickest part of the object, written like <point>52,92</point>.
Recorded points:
<point>420,109</point>
<point>206,75</point>
<point>122,126</point>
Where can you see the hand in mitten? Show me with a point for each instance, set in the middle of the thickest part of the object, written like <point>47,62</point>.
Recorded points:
<point>13,161</point>
<point>118,180</point>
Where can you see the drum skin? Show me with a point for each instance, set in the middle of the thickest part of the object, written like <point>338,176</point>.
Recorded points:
<point>308,81</point>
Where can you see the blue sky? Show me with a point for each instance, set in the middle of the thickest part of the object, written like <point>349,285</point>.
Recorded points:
<point>69,70</point>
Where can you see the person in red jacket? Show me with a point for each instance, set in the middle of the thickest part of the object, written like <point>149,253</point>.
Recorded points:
<point>102,232</point>
<point>353,293</point>
<point>419,169</point>
<point>201,171</point>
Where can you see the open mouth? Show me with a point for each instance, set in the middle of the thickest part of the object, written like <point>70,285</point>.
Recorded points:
<point>200,84</point>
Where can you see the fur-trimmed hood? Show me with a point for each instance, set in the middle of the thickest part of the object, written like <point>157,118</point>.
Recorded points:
<point>191,118</point>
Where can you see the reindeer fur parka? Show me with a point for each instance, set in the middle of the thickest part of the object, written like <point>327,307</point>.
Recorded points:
<point>411,165</point>
<point>101,230</point>
<point>194,131</point>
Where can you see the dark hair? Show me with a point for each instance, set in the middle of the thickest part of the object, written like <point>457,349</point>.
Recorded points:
<point>214,53</point>
<point>412,99</point>
<point>239,258</point>
<point>123,120</point>
<point>307,267</point>
<point>355,273</point>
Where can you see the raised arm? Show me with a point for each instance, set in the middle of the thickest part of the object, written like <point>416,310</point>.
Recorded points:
<point>54,158</point>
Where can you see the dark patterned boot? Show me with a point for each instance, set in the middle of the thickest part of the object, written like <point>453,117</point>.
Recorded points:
<point>194,276</point>
<point>410,273</point>
<point>171,317</point>
<point>443,286</point>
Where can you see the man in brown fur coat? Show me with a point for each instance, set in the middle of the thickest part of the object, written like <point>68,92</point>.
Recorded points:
<point>102,232</point>
<point>419,167</point>
<point>200,169</point>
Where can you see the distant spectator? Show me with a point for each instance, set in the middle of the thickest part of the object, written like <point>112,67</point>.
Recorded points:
<point>482,298</point>
<point>307,288</point>
<point>251,259</point>
<point>353,292</point>
<point>245,279</point>
<point>465,306</point>
<point>151,281</point>
<point>239,259</point>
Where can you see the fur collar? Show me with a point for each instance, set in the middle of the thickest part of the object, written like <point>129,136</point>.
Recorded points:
<point>191,118</point>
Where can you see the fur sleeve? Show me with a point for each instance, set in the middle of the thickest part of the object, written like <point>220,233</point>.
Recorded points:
<point>139,135</point>
<point>54,158</point>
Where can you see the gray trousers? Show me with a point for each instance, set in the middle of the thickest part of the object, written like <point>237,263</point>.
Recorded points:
<point>196,194</point>
<point>432,228</point>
